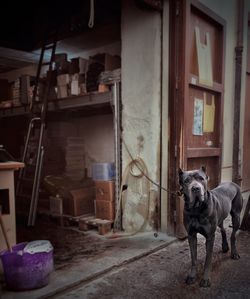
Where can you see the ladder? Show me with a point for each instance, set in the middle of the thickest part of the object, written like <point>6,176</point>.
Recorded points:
<point>37,122</point>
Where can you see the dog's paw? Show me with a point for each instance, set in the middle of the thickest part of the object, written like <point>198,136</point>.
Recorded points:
<point>235,256</point>
<point>225,248</point>
<point>190,280</point>
<point>205,283</point>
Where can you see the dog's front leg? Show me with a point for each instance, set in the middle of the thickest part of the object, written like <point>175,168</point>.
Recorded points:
<point>192,240</point>
<point>205,282</point>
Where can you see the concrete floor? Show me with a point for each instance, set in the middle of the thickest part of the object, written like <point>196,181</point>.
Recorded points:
<point>139,266</point>
<point>112,254</point>
<point>162,275</point>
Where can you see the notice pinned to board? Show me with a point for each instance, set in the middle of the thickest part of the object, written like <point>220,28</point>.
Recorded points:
<point>204,57</point>
<point>209,115</point>
<point>198,117</point>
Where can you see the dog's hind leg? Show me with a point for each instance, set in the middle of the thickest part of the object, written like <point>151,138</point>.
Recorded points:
<point>225,246</point>
<point>235,213</point>
<point>236,225</point>
<point>192,240</point>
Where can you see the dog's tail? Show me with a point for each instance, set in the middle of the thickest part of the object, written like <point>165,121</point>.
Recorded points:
<point>237,202</point>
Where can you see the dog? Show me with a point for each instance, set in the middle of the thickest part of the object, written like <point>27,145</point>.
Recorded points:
<point>204,210</point>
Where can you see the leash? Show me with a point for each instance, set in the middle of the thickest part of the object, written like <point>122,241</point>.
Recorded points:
<point>140,164</point>
<point>177,192</point>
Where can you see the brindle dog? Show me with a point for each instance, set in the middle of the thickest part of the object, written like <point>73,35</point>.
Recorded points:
<point>204,210</point>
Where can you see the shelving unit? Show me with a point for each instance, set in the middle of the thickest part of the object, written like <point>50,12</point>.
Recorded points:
<point>90,100</point>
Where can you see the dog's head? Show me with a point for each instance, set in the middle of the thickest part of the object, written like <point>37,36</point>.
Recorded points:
<point>194,186</point>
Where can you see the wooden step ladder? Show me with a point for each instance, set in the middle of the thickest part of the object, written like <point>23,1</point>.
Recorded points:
<point>37,122</point>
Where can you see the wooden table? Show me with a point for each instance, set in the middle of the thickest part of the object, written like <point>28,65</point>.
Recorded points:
<point>7,200</point>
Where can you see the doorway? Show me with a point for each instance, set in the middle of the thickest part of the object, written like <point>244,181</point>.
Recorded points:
<point>196,93</point>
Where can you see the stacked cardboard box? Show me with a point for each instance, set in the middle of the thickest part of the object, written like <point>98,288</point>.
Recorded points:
<point>75,158</point>
<point>78,65</point>
<point>70,197</point>
<point>16,95</point>
<point>62,85</point>
<point>65,155</point>
<point>105,200</point>
<point>81,75</point>
<point>5,94</point>
<point>95,69</point>
<point>80,202</point>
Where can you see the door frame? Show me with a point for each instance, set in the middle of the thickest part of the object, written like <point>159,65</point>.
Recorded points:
<point>245,156</point>
<point>179,82</point>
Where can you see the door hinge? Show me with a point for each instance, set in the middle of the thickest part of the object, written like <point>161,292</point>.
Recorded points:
<point>175,150</point>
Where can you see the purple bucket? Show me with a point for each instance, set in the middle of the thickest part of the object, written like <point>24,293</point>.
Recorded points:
<point>25,271</point>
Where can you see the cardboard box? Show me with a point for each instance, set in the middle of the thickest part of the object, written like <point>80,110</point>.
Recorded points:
<point>62,64</point>
<point>103,88</point>
<point>79,65</point>
<point>56,205</point>
<point>109,62</point>
<point>74,85</point>
<point>24,89</point>
<point>105,190</point>
<point>62,91</point>
<point>63,80</point>
<point>105,209</point>
<point>5,90</point>
<point>80,203</point>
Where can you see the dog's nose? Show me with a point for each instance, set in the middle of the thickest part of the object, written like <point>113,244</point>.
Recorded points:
<point>195,189</point>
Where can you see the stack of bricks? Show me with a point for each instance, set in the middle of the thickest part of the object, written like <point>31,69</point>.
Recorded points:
<point>105,200</point>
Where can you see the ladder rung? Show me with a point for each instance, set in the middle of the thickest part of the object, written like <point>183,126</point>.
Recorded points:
<point>46,63</point>
<point>49,47</point>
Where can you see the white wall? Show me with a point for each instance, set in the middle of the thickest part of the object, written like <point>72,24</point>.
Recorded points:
<point>140,32</point>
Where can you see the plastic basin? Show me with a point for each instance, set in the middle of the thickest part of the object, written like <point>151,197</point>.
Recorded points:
<point>25,271</point>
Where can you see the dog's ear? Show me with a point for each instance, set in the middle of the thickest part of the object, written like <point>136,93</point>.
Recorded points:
<point>203,168</point>
<point>180,171</point>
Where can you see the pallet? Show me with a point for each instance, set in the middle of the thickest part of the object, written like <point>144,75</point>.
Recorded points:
<point>103,226</point>
<point>64,219</point>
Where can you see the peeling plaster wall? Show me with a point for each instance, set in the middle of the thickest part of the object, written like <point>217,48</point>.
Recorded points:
<point>140,32</point>
<point>165,128</point>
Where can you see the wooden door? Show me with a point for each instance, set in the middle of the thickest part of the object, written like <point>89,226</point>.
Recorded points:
<point>246,140</point>
<point>196,93</point>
